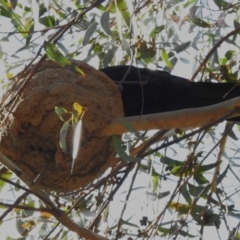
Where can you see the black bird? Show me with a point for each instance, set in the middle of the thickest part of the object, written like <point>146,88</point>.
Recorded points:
<point>146,91</point>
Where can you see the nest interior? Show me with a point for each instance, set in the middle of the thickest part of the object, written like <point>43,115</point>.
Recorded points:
<point>30,137</point>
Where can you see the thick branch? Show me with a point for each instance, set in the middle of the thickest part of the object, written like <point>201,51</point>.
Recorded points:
<point>182,119</point>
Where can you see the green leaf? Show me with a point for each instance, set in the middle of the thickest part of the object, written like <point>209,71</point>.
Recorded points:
<point>196,190</point>
<point>60,111</point>
<point>124,11</point>
<point>184,191</point>
<point>205,168</point>
<point>108,57</point>
<point>163,194</point>
<point>53,53</point>
<point>29,36</point>
<point>164,231</point>
<point>236,24</point>
<point>90,31</point>
<point>47,21</point>
<point>223,175</point>
<point>232,135</point>
<point>179,48</point>
<point>184,209</point>
<point>63,135</point>
<point>121,152</point>
<point>104,21</point>
<point>200,179</point>
<point>42,9</point>
<point>16,188</point>
<point>165,58</point>
<point>200,23</point>
<point>230,54</point>
<point>176,170</point>
<point>146,53</point>
<point>222,4</point>
<point>4,12</point>
<point>8,11</point>
<point>7,176</point>
<point>156,31</point>
<point>171,162</point>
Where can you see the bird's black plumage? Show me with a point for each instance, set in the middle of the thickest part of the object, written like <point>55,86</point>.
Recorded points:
<point>145,91</point>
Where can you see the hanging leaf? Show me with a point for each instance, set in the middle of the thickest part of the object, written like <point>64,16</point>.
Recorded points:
<point>47,21</point>
<point>200,23</point>
<point>90,31</point>
<point>30,27</point>
<point>178,171</point>
<point>236,24</point>
<point>9,12</point>
<point>184,209</point>
<point>146,53</point>
<point>4,12</point>
<point>63,135</point>
<point>205,168</point>
<point>53,53</point>
<point>124,11</point>
<point>185,193</point>
<point>6,175</point>
<point>60,111</point>
<point>223,175</point>
<point>104,21</point>
<point>108,57</point>
<point>200,179</point>
<point>163,194</point>
<point>156,31</point>
<point>165,58</point>
<point>196,190</point>
<point>171,162</point>
<point>222,4</point>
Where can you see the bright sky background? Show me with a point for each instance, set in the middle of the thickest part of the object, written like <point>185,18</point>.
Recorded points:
<point>139,197</point>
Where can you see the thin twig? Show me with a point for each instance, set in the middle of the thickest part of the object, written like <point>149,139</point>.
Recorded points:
<point>214,48</point>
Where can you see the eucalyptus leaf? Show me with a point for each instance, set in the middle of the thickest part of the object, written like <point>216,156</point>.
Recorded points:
<point>165,58</point>
<point>90,31</point>
<point>124,11</point>
<point>53,53</point>
<point>121,152</point>
<point>104,21</point>
<point>60,111</point>
<point>63,135</point>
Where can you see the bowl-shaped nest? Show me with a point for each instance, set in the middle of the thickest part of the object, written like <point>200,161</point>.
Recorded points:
<point>30,136</point>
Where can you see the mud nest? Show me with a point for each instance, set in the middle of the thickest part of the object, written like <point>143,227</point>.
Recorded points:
<point>30,137</point>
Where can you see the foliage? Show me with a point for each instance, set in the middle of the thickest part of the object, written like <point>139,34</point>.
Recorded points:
<point>178,186</point>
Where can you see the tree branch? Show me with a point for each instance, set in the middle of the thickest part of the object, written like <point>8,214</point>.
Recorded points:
<point>182,119</point>
<point>57,213</point>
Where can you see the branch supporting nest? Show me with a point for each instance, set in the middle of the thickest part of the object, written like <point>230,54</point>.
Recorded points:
<point>182,119</point>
